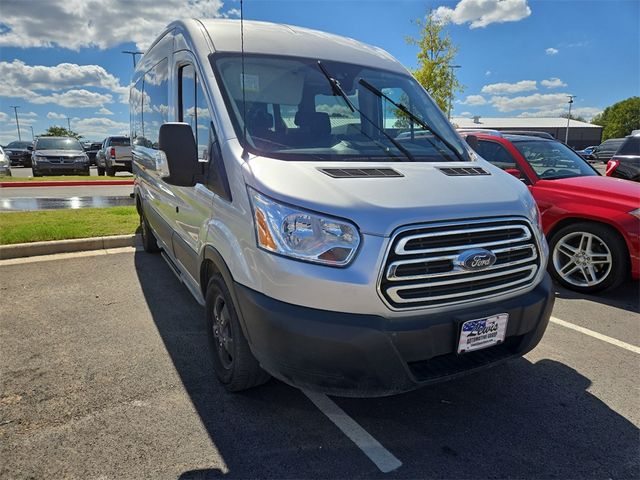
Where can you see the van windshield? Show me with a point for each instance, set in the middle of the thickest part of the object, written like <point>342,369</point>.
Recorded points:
<point>290,111</point>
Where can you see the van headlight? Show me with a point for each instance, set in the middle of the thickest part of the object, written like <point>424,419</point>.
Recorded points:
<point>301,234</point>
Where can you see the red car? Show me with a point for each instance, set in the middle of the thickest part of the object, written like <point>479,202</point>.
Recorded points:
<point>592,223</point>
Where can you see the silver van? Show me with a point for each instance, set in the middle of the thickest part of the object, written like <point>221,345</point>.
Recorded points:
<point>340,234</point>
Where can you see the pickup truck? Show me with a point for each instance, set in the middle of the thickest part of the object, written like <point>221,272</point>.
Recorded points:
<point>114,156</point>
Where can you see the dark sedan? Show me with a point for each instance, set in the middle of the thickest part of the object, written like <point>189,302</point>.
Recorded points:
<point>626,162</point>
<point>91,149</point>
<point>19,153</point>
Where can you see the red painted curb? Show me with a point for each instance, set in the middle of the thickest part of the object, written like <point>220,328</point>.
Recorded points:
<point>64,183</point>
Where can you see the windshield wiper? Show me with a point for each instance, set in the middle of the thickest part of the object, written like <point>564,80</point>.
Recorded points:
<point>411,115</point>
<point>338,91</point>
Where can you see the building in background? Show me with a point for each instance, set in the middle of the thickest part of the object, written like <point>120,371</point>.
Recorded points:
<point>581,134</point>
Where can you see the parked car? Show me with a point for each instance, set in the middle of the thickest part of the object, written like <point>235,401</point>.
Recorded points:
<point>328,253</point>
<point>607,149</point>
<point>91,149</point>
<point>592,223</point>
<point>19,153</point>
<point>114,156</point>
<point>59,156</point>
<point>587,153</point>
<point>626,162</point>
<point>5,164</point>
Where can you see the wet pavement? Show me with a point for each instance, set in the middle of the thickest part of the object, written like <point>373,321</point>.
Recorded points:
<point>29,203</point>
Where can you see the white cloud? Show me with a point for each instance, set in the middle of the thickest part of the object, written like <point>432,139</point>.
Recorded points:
<point>487,73</point>
<point>105,111</point>
<point>4,117</point>
<point>537,101</point>
<point>498,88</point>
<point>474,100</point>
<point>465,114</point>
<point>551,51</point>
<point>56,116</point>
<point>74,98</point>
<point>101,23</point>
<point>553,82</point>
<point>480,13</point>
<point>26,81</point>
<point>586,112</point>
<point>98,127</point>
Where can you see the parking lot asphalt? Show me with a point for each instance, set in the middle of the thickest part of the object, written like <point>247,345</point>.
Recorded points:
<point>105,372</point>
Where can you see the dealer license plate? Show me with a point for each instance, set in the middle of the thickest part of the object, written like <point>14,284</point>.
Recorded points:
<point>482,333</point>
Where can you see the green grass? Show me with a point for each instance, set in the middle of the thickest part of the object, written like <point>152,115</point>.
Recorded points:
<point>61,177</point>
<point>23,227</point>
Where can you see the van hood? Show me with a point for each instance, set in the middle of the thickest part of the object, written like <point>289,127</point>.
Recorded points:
<point>380,205</point>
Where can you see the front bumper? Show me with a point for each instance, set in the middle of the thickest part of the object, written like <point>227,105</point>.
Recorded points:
<point>368,355</point>
<point>55,168</point>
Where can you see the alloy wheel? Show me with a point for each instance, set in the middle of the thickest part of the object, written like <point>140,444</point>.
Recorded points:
<point>582,259</point>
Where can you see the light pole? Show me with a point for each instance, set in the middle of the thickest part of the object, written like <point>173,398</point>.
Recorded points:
<point>451,68</point>
<point>15,111</point>
<point>133,55</point>
<point>69,124</point>
<point>566,136</point>
<point>33,137</point>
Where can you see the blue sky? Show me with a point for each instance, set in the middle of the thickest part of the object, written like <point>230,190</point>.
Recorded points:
<point>518,57</point>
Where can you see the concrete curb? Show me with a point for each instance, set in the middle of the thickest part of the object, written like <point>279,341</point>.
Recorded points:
<point>66,183</point>
<point>65,246</point>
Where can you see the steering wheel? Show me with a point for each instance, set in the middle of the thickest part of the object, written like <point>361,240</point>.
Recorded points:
<point>548,171</point>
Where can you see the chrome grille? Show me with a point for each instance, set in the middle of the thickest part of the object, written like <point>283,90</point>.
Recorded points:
<point>421,269</point>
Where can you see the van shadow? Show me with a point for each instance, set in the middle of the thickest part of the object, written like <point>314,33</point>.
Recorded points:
<point>625,297</point>
<point>521,419</point>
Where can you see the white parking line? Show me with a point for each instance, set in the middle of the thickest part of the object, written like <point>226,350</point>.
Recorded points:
<point>379,455</point>
<point>599,336</point>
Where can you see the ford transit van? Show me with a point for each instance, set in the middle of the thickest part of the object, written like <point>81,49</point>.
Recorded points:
<point>340,234</point>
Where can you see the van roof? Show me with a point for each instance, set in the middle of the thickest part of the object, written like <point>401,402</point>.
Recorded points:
<point>288,40</point>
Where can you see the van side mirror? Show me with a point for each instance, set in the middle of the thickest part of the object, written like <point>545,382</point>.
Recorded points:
<point>179,147</point>
<point>472,141</point>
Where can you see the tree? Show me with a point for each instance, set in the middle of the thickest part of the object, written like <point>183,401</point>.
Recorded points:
<point>573,117</point>
<point>60,132</point>
<point>435,55</point>
<point>619,119</point>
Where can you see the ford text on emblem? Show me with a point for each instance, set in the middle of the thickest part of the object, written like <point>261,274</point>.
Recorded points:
<point>476,259</point>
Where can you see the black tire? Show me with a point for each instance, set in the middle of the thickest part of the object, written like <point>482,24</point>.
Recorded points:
<point>35,173</point>
<point>100,171</point>
<point>86,173</point>
<point>149,242</point>
<point>110,171</point>
<point>610,275</point>
<point>238,369</point>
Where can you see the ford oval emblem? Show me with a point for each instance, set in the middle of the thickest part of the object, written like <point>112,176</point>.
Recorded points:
<point>476,259</point>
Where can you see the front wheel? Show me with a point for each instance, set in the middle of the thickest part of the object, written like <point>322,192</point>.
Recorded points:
<point>149,242</point>
<point>234,364</point>
<point>588,257</point>
<point>101,171</point>
<point>110,171</point>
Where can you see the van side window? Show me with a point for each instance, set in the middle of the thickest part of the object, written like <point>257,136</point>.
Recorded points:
<point>135,103</point>
<point>495,153</point>
<point>155,102</point>
<point>193,109</point>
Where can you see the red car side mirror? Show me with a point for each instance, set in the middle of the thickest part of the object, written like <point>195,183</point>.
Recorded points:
<point>515,172</point>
